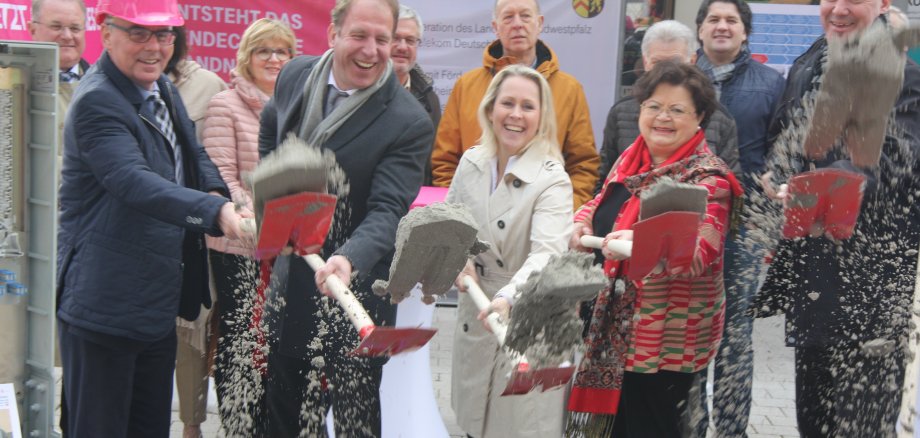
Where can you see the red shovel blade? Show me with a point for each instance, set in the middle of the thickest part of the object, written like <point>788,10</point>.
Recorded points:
<point>390,341</point>
<point>523,380</point>
<point>829,198</point>
<point>302,219</point>
<point>670,236</point>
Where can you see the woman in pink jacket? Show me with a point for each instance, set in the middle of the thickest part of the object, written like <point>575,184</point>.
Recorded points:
<point>231,138</point>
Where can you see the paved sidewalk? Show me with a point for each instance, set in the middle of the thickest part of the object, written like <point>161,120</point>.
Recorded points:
<point>772,413</point>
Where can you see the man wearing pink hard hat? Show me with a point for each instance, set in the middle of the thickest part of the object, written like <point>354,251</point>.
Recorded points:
<point>138,194</point>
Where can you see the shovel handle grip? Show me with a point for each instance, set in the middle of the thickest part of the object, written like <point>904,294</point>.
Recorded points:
<point>618,246</point>
<point>499,328</point>
<point>248,225</point>
<point>347,300</point>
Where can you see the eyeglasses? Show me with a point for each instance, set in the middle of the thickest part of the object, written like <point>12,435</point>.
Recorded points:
<point>265,53</point>
<point>410,41</point>
<point>58,27</point>
<point>653,109</point>
<point>141,35</point>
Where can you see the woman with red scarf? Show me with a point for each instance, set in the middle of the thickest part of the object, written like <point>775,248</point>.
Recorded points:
<point>648,340</point>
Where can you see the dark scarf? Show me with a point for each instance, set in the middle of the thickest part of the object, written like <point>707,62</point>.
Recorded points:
<point>596,393</point>
<point>721,74</point>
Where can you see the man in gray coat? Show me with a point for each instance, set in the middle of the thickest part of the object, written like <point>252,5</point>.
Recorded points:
<point>350,102</point>
<point>664,40</point>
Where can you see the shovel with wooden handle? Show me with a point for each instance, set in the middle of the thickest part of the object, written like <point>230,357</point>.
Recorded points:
<point>523,380</point>
<point>375,341</point>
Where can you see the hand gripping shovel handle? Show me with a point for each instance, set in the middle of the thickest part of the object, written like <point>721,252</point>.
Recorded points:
<point>347,300</point>
<point>248,225</point>
<point>482,303</point>
<point>522,379</point>
<point>618,246</point>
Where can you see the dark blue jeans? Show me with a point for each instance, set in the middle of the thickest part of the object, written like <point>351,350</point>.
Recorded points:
<point>733,366</point>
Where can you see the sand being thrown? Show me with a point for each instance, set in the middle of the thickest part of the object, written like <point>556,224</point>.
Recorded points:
<point>433,244</point>
<point>293,167</point>
<point>544,322</point>
<point>879,241</point>
<point>296,167</point>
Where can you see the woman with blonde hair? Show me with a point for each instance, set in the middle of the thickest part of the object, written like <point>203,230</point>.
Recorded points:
<point>231,138</point>
<point>515,185</point>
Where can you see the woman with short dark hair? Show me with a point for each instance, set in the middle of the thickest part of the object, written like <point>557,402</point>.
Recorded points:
<point>649,339</point>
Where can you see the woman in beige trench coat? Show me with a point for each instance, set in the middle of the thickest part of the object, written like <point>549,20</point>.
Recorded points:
<point>515,185</point>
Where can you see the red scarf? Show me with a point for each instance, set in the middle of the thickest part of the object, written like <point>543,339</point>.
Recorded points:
<point>594,402</point>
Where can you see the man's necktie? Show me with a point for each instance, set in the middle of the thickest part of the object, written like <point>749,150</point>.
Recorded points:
<point>162,116</point>
<point>69,76</point>
<point>334,98</point>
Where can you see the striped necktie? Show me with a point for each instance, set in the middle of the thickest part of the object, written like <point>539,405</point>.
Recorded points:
<point>68,76</point>
<point>166,126</point>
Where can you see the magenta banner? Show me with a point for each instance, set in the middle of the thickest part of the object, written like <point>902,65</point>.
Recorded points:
<point>214,26</point>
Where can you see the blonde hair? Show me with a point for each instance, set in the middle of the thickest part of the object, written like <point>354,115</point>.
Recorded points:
<point>545,139</point>
<point>260,31</point>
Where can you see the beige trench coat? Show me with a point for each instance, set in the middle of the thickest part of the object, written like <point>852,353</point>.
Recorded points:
<point>527,219</point>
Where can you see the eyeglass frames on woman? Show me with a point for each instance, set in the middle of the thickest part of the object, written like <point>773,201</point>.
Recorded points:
<point>654,109</point>
<point>141,35</point>
<point>265,53</point>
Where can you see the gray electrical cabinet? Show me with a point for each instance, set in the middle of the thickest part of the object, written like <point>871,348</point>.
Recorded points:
<point>29,144</point>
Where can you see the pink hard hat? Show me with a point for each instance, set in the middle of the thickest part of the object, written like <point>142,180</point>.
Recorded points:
<point>142,12</point>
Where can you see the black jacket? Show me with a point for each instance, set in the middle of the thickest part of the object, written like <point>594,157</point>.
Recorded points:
<point>382,148</point>
<point>861,288</point>
<point>751,96</point>
<point>422,87</point>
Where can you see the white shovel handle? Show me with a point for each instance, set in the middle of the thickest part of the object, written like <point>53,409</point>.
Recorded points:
<point>483,303</point>
<point>347,300</point>
<point>618,246</point>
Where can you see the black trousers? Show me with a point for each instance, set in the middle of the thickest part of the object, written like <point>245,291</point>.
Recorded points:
<point>117,387</point>
<point>297,403</point>
<point>843,391</point>
<point>652,405</point>
<point>240,394</point>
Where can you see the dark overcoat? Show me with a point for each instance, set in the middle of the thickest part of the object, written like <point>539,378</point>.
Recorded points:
<point>382,148</point>
<point>131,240</point>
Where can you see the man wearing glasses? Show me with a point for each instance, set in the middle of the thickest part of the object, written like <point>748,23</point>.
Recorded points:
<point>62,22</point>
<point>138,193</point>
<point>404,54</point>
